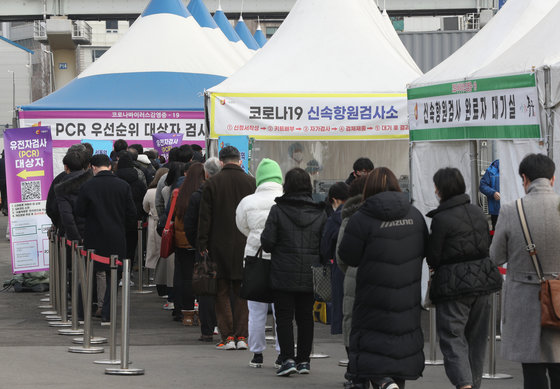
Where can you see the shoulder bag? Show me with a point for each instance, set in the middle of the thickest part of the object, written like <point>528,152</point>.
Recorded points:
<point>204,282</point>
<point>168,234</point>
<point>549,294</point>
<point>322,283</point>
<point>256,279</point>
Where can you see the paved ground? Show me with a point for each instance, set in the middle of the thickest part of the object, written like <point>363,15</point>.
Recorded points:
<point>32,355</point>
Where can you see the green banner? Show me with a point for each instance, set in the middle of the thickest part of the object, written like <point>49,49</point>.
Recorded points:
<point>475,85</point>
<point>481,132</point>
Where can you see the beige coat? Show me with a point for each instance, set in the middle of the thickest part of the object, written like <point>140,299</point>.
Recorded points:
<point>523,340</point>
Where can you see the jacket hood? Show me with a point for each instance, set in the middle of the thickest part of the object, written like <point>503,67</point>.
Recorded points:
<point>269,187</point>
<point>143,158</point>
<point>128,174</point>
<point>386,206</point>
<point>73,182</point>
<point>351,206</point>
<point>454,201</point>
<point>540,185</point>
<point>300,208</point>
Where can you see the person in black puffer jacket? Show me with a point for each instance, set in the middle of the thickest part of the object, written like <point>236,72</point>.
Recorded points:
<point>127,172</point>
<point>386,239</point>
<point>463,279</point>
<point>292,235</point>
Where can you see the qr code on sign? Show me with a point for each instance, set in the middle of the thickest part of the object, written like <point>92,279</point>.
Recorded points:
<point>30,190</point>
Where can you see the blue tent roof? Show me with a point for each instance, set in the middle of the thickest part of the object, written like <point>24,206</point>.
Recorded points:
<point>259,37</point>
<point>245,35</point>
<point>174,7</point>
<point>201,14</point>
<point>226,27</point>
<point>130,91</point>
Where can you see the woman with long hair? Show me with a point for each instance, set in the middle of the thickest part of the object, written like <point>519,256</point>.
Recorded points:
<point>184,251</point>
<point>386,240</point>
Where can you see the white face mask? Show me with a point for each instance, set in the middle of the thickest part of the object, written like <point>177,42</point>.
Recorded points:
<point>298,156</point>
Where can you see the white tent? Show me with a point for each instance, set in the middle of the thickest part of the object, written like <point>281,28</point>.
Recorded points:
<point>331,72</point>
<point>502,72</point>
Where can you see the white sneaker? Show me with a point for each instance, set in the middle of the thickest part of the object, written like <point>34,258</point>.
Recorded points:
<point>241,344</point>
<point>216,331</point>
<point>169,306</point>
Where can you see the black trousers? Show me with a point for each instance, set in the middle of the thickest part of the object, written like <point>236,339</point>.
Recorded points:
<point>207,314</point>
<point>534,375</point>
<point>288,305</point>
<point>182,279</point>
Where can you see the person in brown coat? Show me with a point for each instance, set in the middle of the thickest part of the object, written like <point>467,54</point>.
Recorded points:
<point>218,235</point>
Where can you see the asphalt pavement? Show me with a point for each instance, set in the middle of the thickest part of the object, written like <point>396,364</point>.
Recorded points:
<point>33,355</point>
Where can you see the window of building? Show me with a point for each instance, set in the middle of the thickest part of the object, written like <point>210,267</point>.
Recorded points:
<point>270,31</point>
<point>112,26</point>
<point>97,53</point>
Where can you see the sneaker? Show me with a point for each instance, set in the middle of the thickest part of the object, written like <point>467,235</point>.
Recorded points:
<point>216,331</point>
<point>278,362</point>
<point>257,360</point>
<point>304,368</point>
<point>343,363</point>
<point>388,383</point>
<point>287,368</point>
<point>241,343</point>
<point>228,344</point>
<point>169,306</point>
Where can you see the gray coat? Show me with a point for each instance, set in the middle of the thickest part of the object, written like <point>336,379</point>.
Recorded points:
<point>523,340</point>
<point>350,272</point>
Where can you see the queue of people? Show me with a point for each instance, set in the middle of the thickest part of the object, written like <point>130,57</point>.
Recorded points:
<point>374,241</point>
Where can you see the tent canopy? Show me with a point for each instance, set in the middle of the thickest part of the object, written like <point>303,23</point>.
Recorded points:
<point>148,68</point>
<point>259,36</point>
<point>222,21</point>
<point>245,35</point>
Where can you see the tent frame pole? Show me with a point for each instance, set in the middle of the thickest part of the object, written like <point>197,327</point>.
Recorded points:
<point>549,115</point>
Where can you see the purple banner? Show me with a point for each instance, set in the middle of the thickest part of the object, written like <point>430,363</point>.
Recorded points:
<point>163,143</point>
<point>29,174</point>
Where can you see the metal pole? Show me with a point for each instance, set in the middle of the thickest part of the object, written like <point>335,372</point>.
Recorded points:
<point>433,337</point>
<point>75,282</point>
<point>113,314</point>
<point>125,312</point>
<point>64,322</point>
<point>50,299</point>
<point>140,256</point>
<point>492,375</point>
<point>56,290</point>
<point>88,330</point>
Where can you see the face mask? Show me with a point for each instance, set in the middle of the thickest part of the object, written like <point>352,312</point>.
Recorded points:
<point>298,156</point>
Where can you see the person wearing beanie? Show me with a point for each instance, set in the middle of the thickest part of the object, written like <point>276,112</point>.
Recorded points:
<point>250,217</point>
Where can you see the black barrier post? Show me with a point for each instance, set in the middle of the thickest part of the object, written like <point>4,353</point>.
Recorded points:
<point>125,326</point>
<point>433,361</point>
<point>88,330</point>
<point>75,282</point>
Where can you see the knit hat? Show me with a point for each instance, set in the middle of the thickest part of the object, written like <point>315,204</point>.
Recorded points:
<point>268,171</point>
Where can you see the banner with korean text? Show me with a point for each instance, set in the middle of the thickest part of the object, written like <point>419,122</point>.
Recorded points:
<point>28,153</point>
<point>492,108</point>
<point>69,127</point>
<point>309,116</point>
<point>163,143</point>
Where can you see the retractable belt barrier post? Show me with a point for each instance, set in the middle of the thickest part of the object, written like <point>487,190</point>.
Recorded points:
<point>62,271</point>
<point>88,330</point>
<point>113,329</point>
<point>56,271</point>
<point>140,256</point>
<point>125,324</point>
<point>492,375</point>
<point>50,299</point>
<point>432,361</point>
<point>53,279</point>
<point>75,282</point>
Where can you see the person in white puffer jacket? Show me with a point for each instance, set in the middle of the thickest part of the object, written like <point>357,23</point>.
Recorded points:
<point>250,216</point>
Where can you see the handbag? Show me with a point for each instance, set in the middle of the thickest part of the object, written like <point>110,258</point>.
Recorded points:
<point>426,300</point>
<point>256,279</point>
<point>168,235</point>
<point>204,282</point>
<point>549,295</point>
<point>322,288</point>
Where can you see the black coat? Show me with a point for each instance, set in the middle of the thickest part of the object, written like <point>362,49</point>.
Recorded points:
<point>217,230</point>
<point>190,218</point>
<point>130,175</point>
<point>106,203</point>
<point>67,192</point>
<point>292,234</point>
<point>386,239</point>
<point>52,206</point>
<point>330,235</point>
<point>458,251</point>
